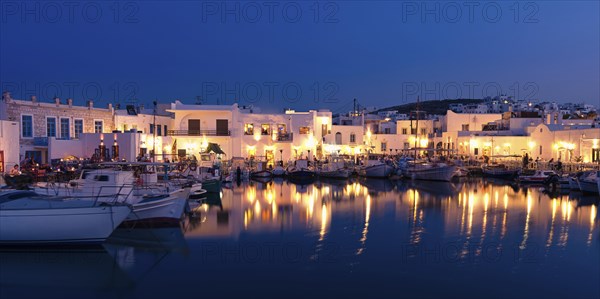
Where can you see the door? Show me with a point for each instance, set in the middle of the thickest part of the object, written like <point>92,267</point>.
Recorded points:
<point>270,157</point>
<point>338,138</point>
<point>1,161</point>
<point>222,127</point>
<point>193,127</point>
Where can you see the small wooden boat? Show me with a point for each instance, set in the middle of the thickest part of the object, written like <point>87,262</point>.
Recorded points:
<point>375,168</point>
<point>499,171</point>
<point>261,171</point>
<point>300,172</point>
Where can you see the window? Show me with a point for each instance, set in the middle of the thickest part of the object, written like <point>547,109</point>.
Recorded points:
<point>476,151</point>
<point>64,128</point>
<point>265,129</point>
<point>323,129</point>
<point>165,130</point>
<point>423,131</point>
<point>158,130</point>
<point>281,129</point>
<point>27,126</point>
<point>249,129</point>
<point>540,150</point>
<point>595,154</point>
<point>124,127</point>
<point>386,131</point>
<point>384,146</point>
<point>304,130</point>
<point>51,126</point>
<point>413,131</point>
<point>465,127</point>
<point>151,129</point>
<point>541,130</point>
<point>404,131</point>
<point>78,126</point>
<point>352,138</point>
<point>98,124</point>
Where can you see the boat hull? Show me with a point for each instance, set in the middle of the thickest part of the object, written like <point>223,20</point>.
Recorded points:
<point>500,174</point>
<point>75,226</point>
<point>160,209</point>
<point>301,176</point>
<point>376,171</point>
<point>443,173</point>
<point>336,174</point>
<point>588,186</point>
<point>212,186</point>
<point>261,174</point>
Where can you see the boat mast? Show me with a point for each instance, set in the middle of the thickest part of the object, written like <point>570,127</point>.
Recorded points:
<point>417,127</point>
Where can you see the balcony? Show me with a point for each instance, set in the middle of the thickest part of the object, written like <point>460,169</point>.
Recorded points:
<point>198,133</point>
<point>287,137</point>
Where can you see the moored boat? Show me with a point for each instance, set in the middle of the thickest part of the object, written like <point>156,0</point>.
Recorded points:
<point>375,167</point>
<point>27,218</point>
<point>301,172</point>
<point>539,177</point>
<point>588,182</point>
<point>499,171</point>
<point>430,171</point>
<point>261,171</point>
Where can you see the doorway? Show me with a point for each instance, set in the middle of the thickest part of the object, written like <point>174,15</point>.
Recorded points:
<point>270,157</point>
<point>193,127</point>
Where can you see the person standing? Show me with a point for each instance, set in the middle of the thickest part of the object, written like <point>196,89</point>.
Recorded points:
<point>15,171</point>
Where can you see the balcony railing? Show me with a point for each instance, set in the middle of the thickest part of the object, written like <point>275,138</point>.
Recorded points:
<point>285,137</point>
<point>198,133</point>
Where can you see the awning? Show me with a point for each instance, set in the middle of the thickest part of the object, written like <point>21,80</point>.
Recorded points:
<point>215,148</point>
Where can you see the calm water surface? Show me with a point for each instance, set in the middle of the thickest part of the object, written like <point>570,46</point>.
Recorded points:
<point>370,239</point>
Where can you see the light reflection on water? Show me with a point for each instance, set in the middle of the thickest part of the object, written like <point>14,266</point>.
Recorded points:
<point>362,238</point>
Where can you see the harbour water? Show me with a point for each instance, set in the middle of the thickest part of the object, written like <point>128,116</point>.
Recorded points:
<point>472,238</point>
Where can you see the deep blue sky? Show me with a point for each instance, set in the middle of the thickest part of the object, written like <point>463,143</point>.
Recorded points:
<point>379,52</point>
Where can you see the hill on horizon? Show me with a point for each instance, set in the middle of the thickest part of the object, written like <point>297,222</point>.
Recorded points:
<point>431,107</point>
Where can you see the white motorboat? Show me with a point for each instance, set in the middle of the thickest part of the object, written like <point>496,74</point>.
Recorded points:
<point>29,218</point>
<point>430,171</point>
<point>151,202</point>
<point>539,177</point>
<point>375,168</point>
<point>588,182</point>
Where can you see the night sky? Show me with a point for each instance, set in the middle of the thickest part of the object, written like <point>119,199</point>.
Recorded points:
<point>300,54</point>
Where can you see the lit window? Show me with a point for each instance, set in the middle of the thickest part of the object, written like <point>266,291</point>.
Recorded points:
<point>404,131</point>
<point>249,129</point>
<point>304,130</point>
<point>265,129</point>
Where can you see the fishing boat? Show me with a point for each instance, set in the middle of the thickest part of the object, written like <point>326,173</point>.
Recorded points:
<point>499,171</point>
<point>300,172</point>
<point>430,171</point>
<point>278,171</point>
<point>261,171</point>
<point>334,169</point>
<point>588,182</point>
<point>28,218</point>
<point>375,167</point>
<point>539,177</point>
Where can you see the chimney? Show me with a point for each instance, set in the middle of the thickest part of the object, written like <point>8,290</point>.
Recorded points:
<point>89,104</point>
<point>70,102</point>
<point>109,106</point>
<point>6,96</point>
<point>57,101</point>
<point>33,99</point>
